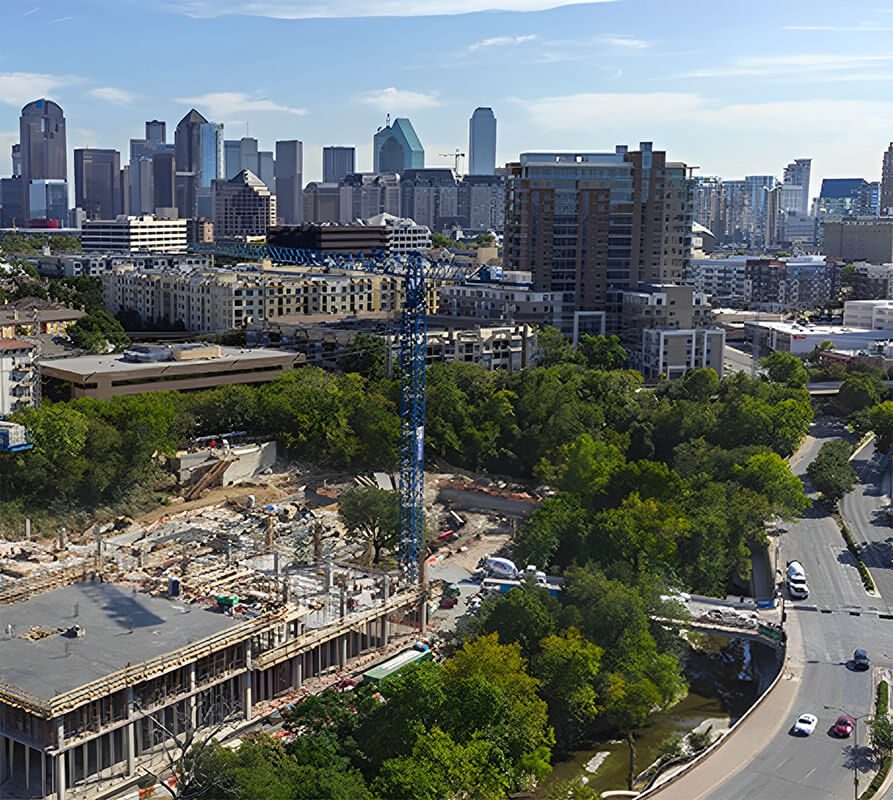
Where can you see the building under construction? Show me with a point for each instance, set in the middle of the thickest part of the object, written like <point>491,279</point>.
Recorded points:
<point>104,662</point>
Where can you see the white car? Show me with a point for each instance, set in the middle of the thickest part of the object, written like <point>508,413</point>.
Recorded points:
<point>805,725</point>
<point>797,588</point>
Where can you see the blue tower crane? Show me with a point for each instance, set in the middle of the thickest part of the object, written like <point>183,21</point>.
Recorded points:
<point>414,270</point>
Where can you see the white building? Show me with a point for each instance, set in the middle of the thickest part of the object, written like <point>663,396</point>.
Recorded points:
<point>874,314</point>
<point>404,235</point>
<point>788,337</point>
<point>128,234</point>
<point>672,353</point>
<point>17,375</point>
<point>507,347</point>
<point>724,279</point>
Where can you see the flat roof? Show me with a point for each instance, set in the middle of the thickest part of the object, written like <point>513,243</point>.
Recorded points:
<point>115,364</point>
<point>820,330</point>
<point>14,344</point>
<point>122,627</point>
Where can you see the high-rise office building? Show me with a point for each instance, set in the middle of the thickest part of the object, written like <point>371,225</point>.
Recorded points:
<point>587,223</point>
<point>886,199</point>
<point>338,162</point>
<point>266,166</point>
<point>288,181</point>
<point>44,157</point>
<point>188,151</point>
<point>16,160</point>
<point>242,154</point>
<point>797,174</point>
<point>141,190</point>
<point>164,180</point>
<point>11,202</point>
<point>210,167</point>
<point>845,197</point>
<point>482,142</point>
<point>396,147</point>
<point>243,207</point>
<point>97,182</point>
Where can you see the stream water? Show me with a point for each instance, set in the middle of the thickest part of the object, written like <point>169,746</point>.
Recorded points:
<point>721,690</point>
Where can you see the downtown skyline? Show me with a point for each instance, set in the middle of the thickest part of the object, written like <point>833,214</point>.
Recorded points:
<point>733,96</point>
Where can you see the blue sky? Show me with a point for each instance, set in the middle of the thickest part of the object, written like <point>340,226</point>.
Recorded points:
<point>731,86</point>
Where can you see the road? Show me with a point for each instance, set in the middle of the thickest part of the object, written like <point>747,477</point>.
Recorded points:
<point>738,360</point>
<point>823,631</point>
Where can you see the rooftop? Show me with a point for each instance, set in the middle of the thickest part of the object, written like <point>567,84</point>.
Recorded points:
<point>14,344</point>
<point>115,363</point>
<point>121,627</point>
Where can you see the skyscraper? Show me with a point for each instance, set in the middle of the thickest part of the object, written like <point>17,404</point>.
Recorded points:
<point>164,180</point>
<point>887,182</point>
<point>337,162</point>
<point>141,189</point>
<point>396,148</point>
<point>587,223</point>
<point>43,154</point>
<point>288,171</point>
<point>482,142</point>
<point>243,206</point>
<point>797,174</point>
<point>97,182</point>
<point>198,145</point>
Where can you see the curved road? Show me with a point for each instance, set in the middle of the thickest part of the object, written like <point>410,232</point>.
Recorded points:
<point>823,631</point>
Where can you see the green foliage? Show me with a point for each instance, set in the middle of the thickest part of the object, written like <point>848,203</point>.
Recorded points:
<point>880,733</point>
<point>371,514</point>
<point>864,574</point>
<point>366,356</point>
<point>555,346</point>
<point>32,243</point>
<point>82,292</point>
<point>881,422</point>
<point>99,332</point>
<point>878,780</point>
<point>601,352</point>
<point>573,789</point>
<point>831,473</point>
<point>439,240</point>
<point>882,701</point>
<point>785,368</point>
<point>860,390</point>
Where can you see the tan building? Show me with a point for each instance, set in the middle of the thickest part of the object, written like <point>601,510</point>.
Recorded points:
<point>867,239</point>
<point>26,321</point>
<point>673,352</point>
<point>243,207</point>
<point>157,368</point>
<point>220,300</point>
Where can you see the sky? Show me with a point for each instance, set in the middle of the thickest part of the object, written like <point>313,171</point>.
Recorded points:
<point>729,86</point>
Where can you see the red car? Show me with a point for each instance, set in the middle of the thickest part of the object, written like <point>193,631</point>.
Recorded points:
<point>844,726</point>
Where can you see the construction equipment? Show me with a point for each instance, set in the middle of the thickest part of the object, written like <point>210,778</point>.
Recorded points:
<point>455,156</point>
<point>414,270</point>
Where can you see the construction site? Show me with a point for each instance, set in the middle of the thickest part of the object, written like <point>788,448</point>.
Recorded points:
<point>119,638</point>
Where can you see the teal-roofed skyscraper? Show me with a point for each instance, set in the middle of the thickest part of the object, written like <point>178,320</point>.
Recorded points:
<point>396,148</point>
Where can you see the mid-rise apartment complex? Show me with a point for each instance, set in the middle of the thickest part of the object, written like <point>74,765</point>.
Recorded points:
<point>220,300</point>
<point>587,223</point>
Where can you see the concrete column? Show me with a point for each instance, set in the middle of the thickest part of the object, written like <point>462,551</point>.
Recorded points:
<point>43,773</point>
<point>192,702</point>
<point>423,613</point>
<point>386,589</point>
<point>296,664</point>
<point>59,778</point>
<point>10,761</point>
<point>4,761</point>
<point>28,768</point>
<point>342,650</point>
<point>129,745</point>
<point>247,685</point>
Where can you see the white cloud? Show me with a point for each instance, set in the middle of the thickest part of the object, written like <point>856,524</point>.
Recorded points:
<point>308,9</point>
<point>395,100</point>
<point>32,11</point>
<point>624,41</point>
<point>113,95</point>
<point>500,41</point>
<point>790,65</point>
<point>227,104</point>
<point>591,110</point>
<point>18,88</point>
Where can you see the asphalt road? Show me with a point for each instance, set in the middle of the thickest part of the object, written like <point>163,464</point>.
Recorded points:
<point>838,617</point>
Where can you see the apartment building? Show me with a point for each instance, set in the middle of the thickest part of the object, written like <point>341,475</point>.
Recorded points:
<point>587,223</point>
<point>17,375</point>
<point>672,353</point>
<point>221,300</point>
<point>128,234</point>
<point>94,265</point>
<point>876,315</point>
<point>475,303</point>
<point>872,281</point>
<point>22,320</point>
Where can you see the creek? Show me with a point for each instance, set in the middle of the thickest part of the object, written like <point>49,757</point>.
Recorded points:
<point>723,684</point>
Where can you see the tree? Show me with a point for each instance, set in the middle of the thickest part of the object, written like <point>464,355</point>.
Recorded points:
<point>831,473</point>
<point>555,346</point>
<point>98,332</point>
<point>881,421</point>
<point>574,789</point>
<point>371,513</point>
<point>880,732</point>
<point>770,475</point>
<point>860,390</point>
<point>554,533</point>
<point>601,352</point>
<point>785,368</point>
<point>524,615</point>
<point>366,356</point>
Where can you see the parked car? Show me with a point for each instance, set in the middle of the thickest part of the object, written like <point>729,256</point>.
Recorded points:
<point>804,725</point>
<point>797,587</point>
<point>844,726</point>
<point>861,660</point>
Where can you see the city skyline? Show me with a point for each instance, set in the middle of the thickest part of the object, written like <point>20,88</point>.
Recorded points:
<point>704,93</point>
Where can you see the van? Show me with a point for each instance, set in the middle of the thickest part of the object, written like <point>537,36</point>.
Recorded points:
<point>797,588</point>
<point>500,568</point>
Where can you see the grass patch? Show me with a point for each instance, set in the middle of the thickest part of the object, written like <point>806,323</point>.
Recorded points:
<point>864,574</point>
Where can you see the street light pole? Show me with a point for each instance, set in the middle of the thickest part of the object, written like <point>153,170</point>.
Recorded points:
<point>855,746</point>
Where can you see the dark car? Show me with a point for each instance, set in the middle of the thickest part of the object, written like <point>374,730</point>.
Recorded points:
<point>844,726</point>
<point>860,660</point>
